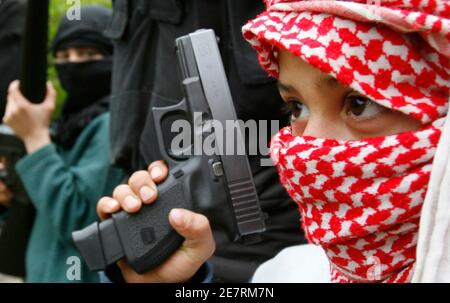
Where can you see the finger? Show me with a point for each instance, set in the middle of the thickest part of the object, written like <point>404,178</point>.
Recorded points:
<point>106,206</point>
<point>16,94</point>
<point>50,98</point>
<point>50,88</point>
<point>11,100</point>
<point>13,87</point>
<point>127,199</point>
<point>142,185</point>
<point>10,110</point>
<point>158,171</point>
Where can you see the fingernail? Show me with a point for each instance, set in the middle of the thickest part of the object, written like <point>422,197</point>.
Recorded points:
<point>177,216</point>
<point>146,193</point>
<point>156,173</point>
<point>112,205</point>
<point>131,202</point>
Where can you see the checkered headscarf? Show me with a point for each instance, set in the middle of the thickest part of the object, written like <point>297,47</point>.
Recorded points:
<point>402,63</point>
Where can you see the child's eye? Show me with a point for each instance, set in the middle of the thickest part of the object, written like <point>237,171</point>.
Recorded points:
<point>87,54</point>
<point>359,107</point>
<point>297,110</point>
<point>62,56</point>
<point>91,53</point>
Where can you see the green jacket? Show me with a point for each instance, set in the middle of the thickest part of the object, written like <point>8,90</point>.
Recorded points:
<point>64,186</point>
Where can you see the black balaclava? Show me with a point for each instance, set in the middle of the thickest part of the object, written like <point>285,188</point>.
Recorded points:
<point>88,84</point>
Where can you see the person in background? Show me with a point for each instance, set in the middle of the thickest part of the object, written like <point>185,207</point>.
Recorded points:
<point>66,173</point>
<point>16,221</point>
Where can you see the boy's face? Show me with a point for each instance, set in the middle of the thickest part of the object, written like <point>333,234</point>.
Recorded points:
<point>321,107</point>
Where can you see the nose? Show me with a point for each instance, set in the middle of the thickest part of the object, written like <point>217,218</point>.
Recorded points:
<point>324,127</point>
<point>75,58</point>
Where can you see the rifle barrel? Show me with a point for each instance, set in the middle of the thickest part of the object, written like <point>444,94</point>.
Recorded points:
<point>33,76</point>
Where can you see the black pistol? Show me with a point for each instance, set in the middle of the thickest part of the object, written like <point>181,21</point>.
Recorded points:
<point>218,185</point>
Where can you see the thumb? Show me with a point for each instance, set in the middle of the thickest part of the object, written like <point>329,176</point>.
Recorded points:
<point>196,230</point>
<point>193,227</point>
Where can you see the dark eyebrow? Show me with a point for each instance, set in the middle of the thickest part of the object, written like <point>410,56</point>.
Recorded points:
<point>323,83</point>
<point>288,89</point>
<point>327,81</point>
<point>285,87</point>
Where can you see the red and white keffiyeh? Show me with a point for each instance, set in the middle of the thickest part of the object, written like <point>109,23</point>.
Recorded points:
<point>361,200</point>
<point>339,38</point>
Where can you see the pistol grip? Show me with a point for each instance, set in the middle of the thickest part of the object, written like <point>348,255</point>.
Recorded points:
<point>145,239</point>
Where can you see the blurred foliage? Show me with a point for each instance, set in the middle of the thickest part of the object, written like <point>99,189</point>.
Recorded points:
<point>57,10</point>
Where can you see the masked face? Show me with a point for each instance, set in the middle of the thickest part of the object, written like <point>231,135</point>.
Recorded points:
<point>84,82</point>
<point>358,172</point>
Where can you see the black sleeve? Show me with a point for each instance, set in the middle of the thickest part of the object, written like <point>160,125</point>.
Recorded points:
<point>12,20</point>
<point>114,274</point>
<point>12,17</point>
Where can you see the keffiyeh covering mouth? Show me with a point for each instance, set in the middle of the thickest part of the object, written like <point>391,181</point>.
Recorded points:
<point>361,200</point>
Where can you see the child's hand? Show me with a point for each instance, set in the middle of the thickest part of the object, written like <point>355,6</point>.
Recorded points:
<point>198,246</point>
<point>30,121</point>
